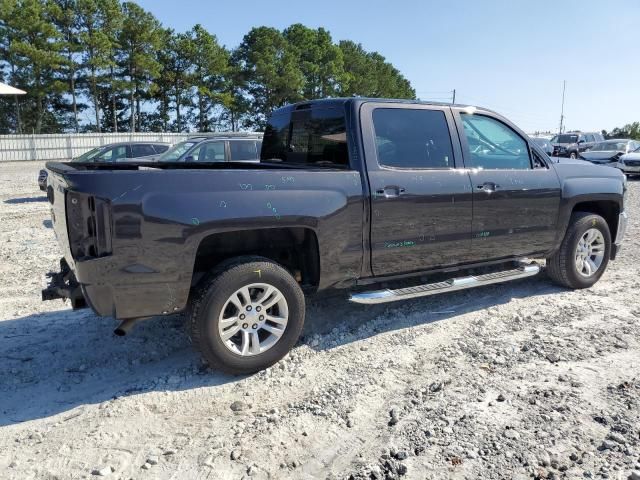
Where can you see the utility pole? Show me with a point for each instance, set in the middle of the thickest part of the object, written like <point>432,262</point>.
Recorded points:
<point>564,86</point>
<point>453,100</point>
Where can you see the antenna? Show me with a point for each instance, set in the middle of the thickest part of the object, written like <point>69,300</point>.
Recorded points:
<point>564,86</point>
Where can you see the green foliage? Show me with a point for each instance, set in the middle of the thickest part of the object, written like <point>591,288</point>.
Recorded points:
<point>320,61</point>
<point>631,130</point>
<point>270,68</point>
<point>113,61</point>
<point>370,75</point>
<point>33,47</point>
<point>140,37</point>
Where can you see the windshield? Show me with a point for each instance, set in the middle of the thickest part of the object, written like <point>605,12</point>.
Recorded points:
<point>175,152</point>
<point>609,147</point>
<point>565,139</point>
<point>86,156</point>
<point>541,141</point>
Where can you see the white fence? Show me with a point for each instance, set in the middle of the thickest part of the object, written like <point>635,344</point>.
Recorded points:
<point>67,146</point>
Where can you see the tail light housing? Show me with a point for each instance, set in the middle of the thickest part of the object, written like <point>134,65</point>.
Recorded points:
<point>88,225</point>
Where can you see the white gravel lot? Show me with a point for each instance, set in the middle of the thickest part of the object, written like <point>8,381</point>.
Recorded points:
<point>518,380</point>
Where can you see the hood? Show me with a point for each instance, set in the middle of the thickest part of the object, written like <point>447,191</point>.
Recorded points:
<point>631,156</point>
<point>573,161</point>
<point>599,156</point>
<point>580,169</point>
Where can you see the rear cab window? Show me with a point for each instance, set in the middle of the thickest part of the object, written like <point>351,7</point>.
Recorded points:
<point>313,137</point>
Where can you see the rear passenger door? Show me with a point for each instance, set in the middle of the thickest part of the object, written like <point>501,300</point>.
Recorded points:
<point>420,197</point>
<point>516,196</point>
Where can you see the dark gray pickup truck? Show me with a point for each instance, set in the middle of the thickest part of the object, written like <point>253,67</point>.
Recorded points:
<point>349,194</point>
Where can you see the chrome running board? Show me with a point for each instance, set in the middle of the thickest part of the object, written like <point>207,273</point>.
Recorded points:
<point>387,295</point>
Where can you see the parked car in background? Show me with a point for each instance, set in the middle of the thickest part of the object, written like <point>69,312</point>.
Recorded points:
<point>629,163</point>
<point>544,144</point>
<point>572,143</point>
<point>215,149</point>
<point>115,153</point>
<point>609,151</point>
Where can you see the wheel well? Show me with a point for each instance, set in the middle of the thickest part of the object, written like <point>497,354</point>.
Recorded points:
<point>296,249</point>
<point>606,209</point>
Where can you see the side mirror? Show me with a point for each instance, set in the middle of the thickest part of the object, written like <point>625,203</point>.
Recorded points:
<point>580,141</point>
<point>189,159</point>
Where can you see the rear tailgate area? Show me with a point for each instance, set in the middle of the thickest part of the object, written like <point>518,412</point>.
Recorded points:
<point>56,195</point>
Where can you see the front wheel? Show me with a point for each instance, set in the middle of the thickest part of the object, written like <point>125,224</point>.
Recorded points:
<point>573,155</point>
<point>584,253</point>
<point>247,316</point>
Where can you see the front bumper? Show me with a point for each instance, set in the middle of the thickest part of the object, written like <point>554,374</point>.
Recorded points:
<point>623,221</point>
<point>628,168</point>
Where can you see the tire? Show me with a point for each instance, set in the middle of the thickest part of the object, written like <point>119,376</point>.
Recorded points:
<point>212,306</point>
<point>573,155</point>
<point>561,267</point>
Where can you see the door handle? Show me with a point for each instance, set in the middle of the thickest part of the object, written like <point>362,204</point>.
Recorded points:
<point>488,187</point>
<point>390,191</point>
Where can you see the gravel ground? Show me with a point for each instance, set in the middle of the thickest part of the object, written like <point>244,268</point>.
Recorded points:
<point>519,380</point>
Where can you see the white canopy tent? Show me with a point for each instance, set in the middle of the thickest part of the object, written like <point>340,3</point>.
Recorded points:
<point>9,90</point>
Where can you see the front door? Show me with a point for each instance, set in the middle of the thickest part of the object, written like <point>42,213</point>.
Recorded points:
<point>516,195</point>
<point>420,199</point>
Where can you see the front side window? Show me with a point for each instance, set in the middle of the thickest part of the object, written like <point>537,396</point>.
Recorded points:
<point>315,137</point>
<point>242,150</point>
<point>90,155</point>
<point>112,154</point>
<point>412,138</point>
<point>207,152</point>
<point>493,145</point>
<point>175,152</point>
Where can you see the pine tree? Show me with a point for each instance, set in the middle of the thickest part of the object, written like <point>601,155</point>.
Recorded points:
<point>270,68</point>
<point>140,37</point>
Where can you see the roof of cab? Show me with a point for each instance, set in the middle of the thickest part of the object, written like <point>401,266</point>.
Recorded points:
<point>341,101</point>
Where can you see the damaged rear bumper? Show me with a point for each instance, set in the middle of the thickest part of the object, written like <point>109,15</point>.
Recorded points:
<point>63,285</point>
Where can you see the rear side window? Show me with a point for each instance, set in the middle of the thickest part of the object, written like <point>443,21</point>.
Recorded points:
<point>412,138</point>
<point>315,137</point>
<point>493,145</point>
<point>141,150</point>
<point>242,150</point>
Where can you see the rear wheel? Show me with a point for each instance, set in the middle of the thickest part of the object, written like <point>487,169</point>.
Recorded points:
<point>247,316</point>
<point>573,155</point>
<point>584,253</point>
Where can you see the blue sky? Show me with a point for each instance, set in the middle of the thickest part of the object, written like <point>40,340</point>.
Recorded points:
<point>511,56</point>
